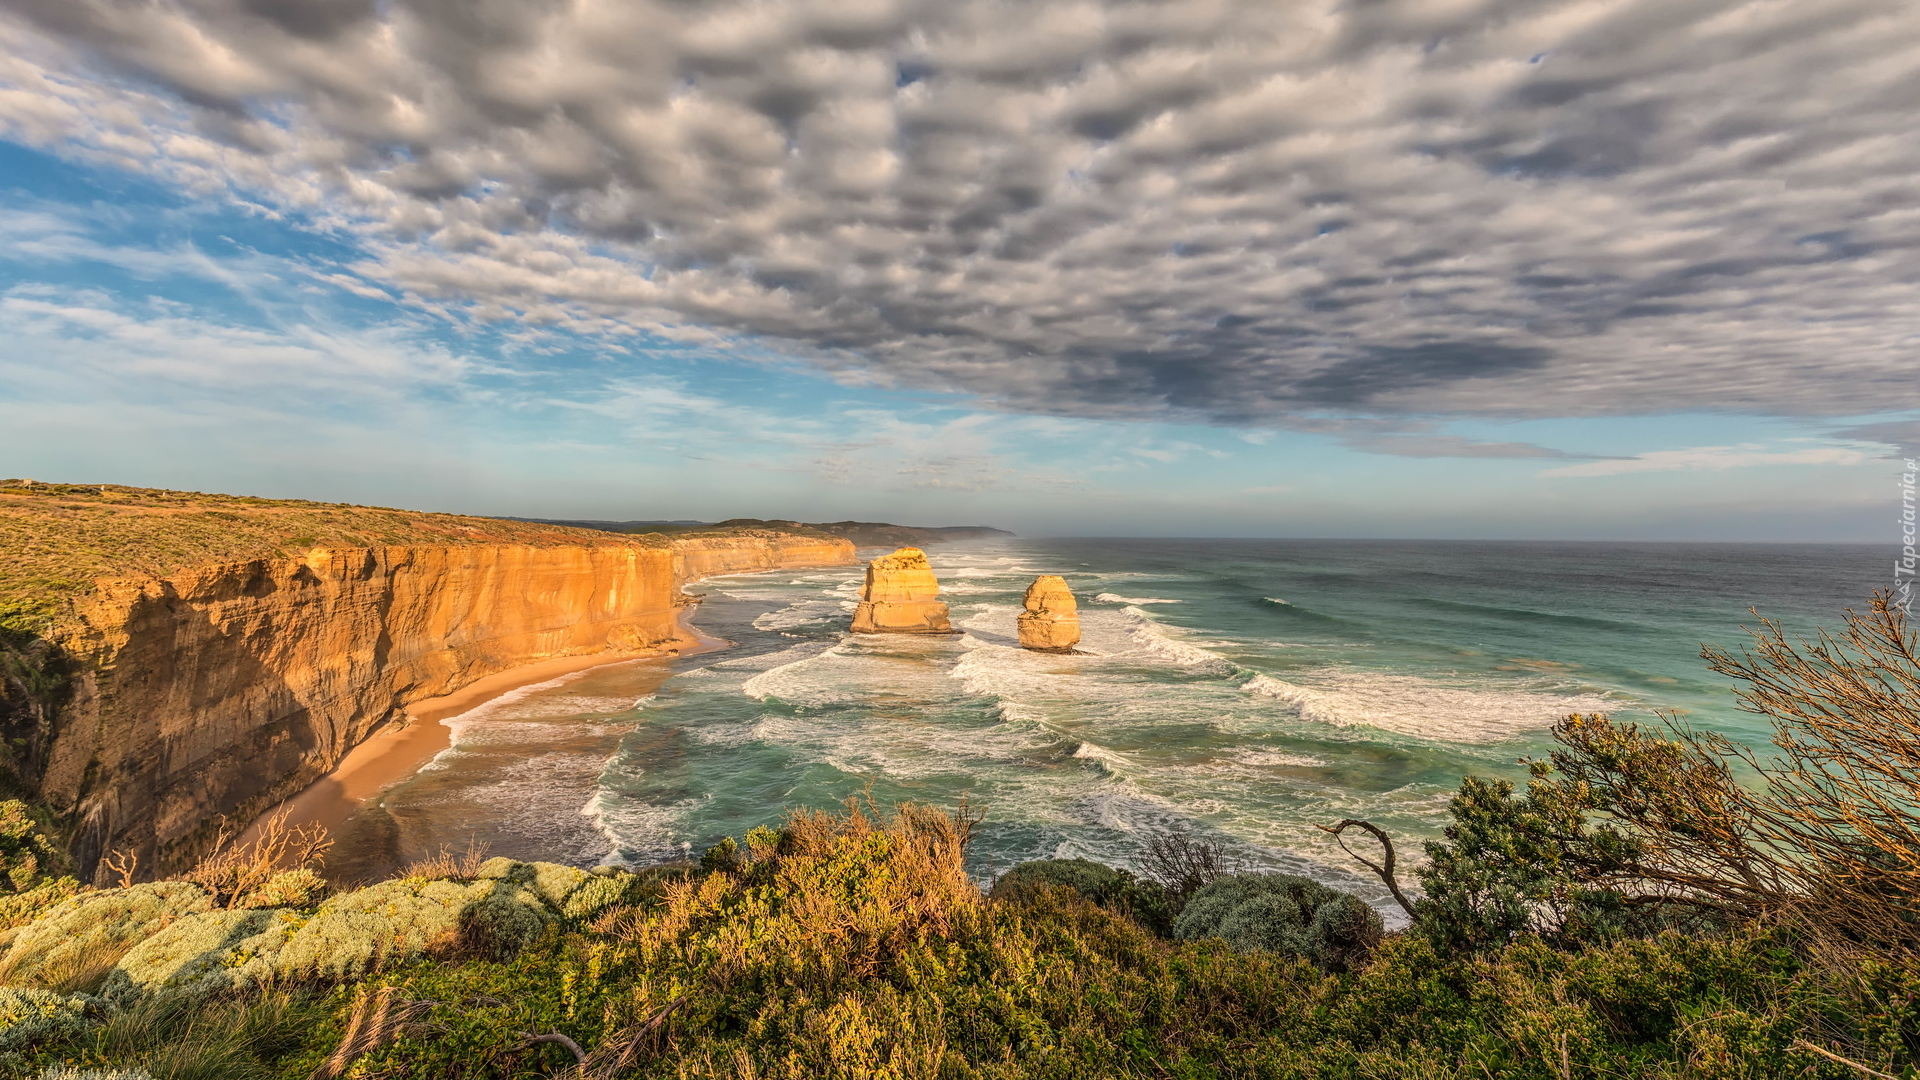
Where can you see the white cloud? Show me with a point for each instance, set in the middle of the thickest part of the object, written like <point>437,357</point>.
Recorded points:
<point>1232,210</point>
<point>1700,458</point>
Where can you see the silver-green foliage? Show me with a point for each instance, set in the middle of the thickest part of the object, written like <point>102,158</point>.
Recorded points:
<point>1285,914</point>
<point>355,932</point>
<point>31,1016</point>
<point>206,953</point>
<point>91,922</point>
<point>596,895</point>
<point>174,943</point>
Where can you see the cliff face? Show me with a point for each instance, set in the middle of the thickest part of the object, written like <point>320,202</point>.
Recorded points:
<point>705,556</point>
<point>223,690</point>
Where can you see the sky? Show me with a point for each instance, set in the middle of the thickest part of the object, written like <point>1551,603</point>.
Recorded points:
<point>1606,269</point>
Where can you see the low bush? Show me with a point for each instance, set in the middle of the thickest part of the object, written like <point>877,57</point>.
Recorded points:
<point>1147,902</point>
<point>1283,914</point>
<point>78,941</point>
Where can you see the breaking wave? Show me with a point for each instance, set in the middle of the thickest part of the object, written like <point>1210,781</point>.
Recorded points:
<point>1422,708</point>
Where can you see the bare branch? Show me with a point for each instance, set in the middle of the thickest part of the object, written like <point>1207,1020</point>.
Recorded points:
<point>1802,1044</point>
<point>1385,873</point>
<point>579,1055</point>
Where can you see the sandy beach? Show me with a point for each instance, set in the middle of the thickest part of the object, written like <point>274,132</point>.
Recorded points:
<point>398,751</point>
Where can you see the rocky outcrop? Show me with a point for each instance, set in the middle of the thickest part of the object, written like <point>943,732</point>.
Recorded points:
<point>1051,621</point>
<point>901,596</point>
<point>225,689</point>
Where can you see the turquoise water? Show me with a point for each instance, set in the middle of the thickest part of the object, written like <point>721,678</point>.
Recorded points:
<point>1242,690</point>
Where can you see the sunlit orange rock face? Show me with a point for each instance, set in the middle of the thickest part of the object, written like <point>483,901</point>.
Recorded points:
<point>227,688</point>
<point>1051,621</point>
<point>901,596</point>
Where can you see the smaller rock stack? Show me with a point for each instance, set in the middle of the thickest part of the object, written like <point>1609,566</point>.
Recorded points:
<point>1051,622</point>
<point>901,597</point>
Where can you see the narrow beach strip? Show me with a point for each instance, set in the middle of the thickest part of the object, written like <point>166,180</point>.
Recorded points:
<point>398,751</point>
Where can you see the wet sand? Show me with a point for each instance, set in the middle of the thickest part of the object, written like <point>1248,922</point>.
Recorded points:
<point>345,801</point>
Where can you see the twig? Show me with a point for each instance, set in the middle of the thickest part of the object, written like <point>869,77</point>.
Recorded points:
<point>377,1019</point>
<point>1802,1044</point>
<point>1385,872</point>
<point>124,864</point>
<point>579,1055</point>
<point>624,1048</point>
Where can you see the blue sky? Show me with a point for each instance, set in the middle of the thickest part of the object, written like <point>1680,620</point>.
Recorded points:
<point>253,273</point>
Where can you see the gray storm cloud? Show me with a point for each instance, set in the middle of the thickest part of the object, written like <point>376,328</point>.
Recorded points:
<point>1239,212</point>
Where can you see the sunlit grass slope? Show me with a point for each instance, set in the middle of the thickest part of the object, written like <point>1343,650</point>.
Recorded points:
<point>56,539</point>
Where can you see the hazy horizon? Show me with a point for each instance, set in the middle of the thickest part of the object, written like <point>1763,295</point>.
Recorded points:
<point>1487,270</point>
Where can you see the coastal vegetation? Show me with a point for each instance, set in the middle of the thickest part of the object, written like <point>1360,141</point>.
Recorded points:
<point>57,539</point>
<point>1657,902</point>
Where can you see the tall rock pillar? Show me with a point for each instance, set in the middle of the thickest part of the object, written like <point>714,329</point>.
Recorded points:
<point>1051,622</point>
<point>901,597</point>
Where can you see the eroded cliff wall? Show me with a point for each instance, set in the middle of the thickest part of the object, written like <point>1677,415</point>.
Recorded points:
<point>224,689</point>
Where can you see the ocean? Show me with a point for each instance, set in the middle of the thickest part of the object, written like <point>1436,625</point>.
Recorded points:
<point>1242,691</point>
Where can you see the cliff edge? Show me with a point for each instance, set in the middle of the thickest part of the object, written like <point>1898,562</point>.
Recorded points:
<point>143,705</point>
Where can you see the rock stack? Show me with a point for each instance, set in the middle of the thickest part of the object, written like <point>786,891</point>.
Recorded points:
<point>1051,622</point>
<point>901,597</point>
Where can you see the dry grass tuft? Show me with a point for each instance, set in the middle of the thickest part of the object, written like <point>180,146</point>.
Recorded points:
<point>378,1018</point>
<point>447,864</point>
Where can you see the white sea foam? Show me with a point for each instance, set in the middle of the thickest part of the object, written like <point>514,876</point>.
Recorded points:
<point>798,683</point>
<point>1163,643</point>
<point>1115,598</point>
<point>1420,707</point>
<point>1279,758</point>
<point>768,660</point>
<point>1112,762</point>
<point>647,832</point>
<point>1004,674</point>
<point>992,617</point>
<point>802,613</point>
<point>511,703</point>
<point>536,798</point>
<point>983,571</point>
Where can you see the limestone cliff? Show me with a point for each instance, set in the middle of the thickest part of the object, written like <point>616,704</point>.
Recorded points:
<point>1051,621</point>
<point>224,689</point>
<point>901,596</point>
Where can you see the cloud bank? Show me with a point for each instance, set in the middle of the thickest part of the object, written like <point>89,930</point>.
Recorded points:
<point>1242,212</point>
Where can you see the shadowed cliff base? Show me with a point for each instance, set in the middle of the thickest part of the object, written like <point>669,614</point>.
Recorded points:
<point>346,802</point>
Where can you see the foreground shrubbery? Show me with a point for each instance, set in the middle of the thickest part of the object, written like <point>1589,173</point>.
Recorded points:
<point>845,946</point>
<point>1582,928</point>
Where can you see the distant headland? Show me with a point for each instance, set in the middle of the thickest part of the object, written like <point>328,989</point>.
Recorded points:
<point>862,533</point>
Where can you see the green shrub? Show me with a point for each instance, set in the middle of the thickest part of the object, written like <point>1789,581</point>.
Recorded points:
<point>29,1017</point>
<point>27,857</point>
<point>174,1037</point>
<point>358,932</point>
<point>204,954</point>
<point>20,908</point>
<point>293,889</point>
<point>555,882</point>
<point>83,937</point>
<point>1116,890</point>
<point>1283,914</point>
<point>607,890</point>
<point>502,922</point>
